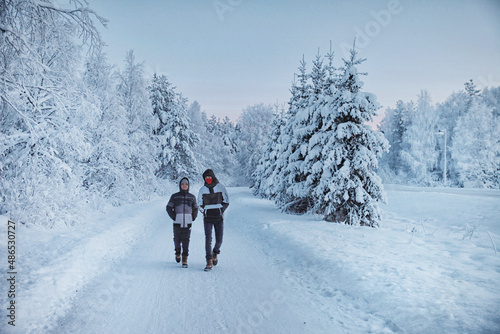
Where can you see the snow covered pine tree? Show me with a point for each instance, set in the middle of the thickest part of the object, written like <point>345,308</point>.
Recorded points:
<point>172,129</point>
<point>349,189</point>
<point>326,153</point>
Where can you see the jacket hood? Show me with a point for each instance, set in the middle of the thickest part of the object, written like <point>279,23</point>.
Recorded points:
<point>180,182</point>
<point>210,172</point>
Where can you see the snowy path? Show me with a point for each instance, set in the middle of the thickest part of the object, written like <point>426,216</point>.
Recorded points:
<point>147,292</point>
<point>278,273</point>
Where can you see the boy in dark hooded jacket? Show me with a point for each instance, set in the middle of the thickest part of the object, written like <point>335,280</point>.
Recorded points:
<point>214,200</point>
<point>183,209</point>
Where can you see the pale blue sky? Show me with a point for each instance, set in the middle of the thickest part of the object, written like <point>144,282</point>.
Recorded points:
<point>247,52</point>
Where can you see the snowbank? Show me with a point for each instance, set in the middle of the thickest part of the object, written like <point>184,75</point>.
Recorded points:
<point>432,267</point>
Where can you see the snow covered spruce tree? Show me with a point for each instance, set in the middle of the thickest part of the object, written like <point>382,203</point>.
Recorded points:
<point>274,181</point>
<point>266,172</point>
<point>448,114</point>
<point>394,126</point>
<point>172,130</point>
<point>321,113</point>
<point>420,141</point>
<point>349,190</point>
<point>142,158</point>
<point>197,120</point>
<point>254,125</point>
<point>305,127</point>
<point>219,147</point>
<point>292,174</point>
<point>476,144</point>
<point>42,141</point>
<point>286,195</point>
<point>230,150</point>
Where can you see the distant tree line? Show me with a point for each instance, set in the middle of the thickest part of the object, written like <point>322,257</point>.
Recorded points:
<point>470,120</point>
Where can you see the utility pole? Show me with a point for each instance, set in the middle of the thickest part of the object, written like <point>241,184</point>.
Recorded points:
<point>445,179</point>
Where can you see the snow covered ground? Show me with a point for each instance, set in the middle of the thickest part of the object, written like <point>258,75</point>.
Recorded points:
<point>431,267</point>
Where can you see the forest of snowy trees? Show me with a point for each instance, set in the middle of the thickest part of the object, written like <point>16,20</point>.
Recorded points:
<point>78,133</point>
<point>468,122</point>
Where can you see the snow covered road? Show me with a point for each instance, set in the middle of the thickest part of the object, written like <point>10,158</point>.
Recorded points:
<point>277,273</point>
<point>147,292</point>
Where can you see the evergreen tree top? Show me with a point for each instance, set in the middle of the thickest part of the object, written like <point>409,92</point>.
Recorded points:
<point>349,78</point>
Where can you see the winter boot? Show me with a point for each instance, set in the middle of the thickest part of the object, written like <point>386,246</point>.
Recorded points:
<point>214,257</point>
<point>209,265</point>
<point>177,257</point>
<point>184,262</point>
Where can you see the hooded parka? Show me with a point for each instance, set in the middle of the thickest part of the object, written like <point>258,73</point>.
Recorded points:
<point>182,206</point>
<point>213,199</point>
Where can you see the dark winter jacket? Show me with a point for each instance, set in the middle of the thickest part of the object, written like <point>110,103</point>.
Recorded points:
<point>213,199</point>
<point>182,207</point>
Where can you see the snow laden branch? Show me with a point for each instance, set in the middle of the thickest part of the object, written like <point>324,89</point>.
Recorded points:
<point>82,16</point>
<point>21,20</point>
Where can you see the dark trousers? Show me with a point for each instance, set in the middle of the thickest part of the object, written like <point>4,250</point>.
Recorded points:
<point>181,237</point>
<point>219,231</point>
